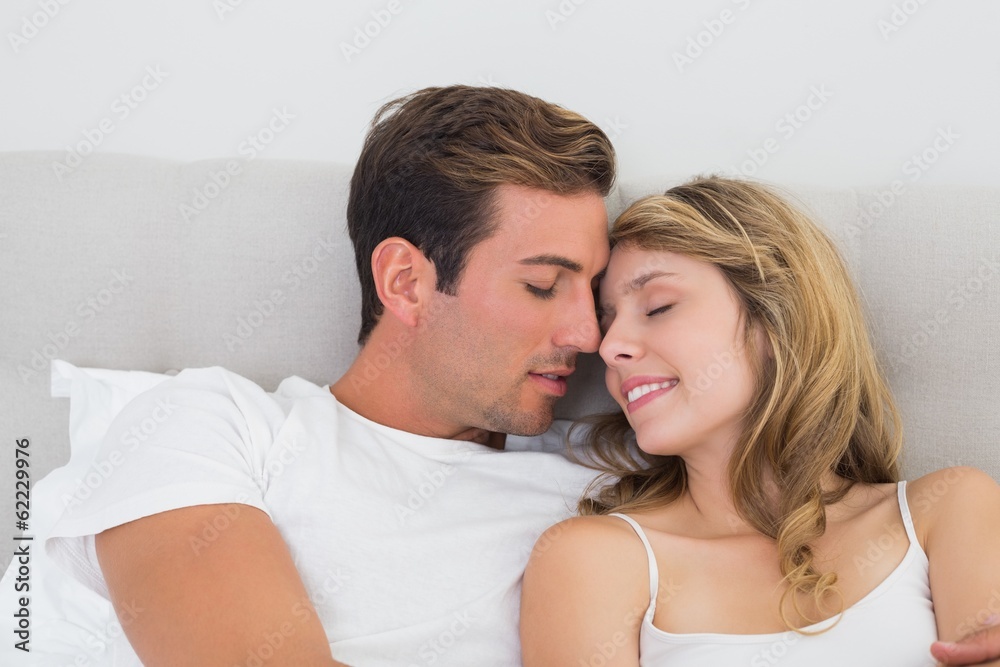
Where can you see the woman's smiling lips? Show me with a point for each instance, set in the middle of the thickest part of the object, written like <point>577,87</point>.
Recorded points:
<point>641,389</point>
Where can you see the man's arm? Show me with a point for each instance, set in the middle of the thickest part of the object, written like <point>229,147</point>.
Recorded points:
<point>979,648</point>
<point>958,514</point>
<point>185,598</point>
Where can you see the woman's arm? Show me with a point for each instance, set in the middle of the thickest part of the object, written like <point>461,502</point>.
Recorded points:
<point>185,600</point>
<point>585,591</point>
<point>957,515</point>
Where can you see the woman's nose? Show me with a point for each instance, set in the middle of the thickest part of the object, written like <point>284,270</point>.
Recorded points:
<point>618,347</point>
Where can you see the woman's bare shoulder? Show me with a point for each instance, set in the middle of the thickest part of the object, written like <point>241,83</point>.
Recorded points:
<point>950,491</point>
<point>584,562</point>
<point>593,537</point>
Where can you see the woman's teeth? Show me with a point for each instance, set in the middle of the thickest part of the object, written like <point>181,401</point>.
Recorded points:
<point>644,389</point>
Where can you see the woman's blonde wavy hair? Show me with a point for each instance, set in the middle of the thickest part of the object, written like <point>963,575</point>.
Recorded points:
<point>820,404</point>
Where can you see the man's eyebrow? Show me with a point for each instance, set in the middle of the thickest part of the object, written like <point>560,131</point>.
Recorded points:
<point>553,260</point>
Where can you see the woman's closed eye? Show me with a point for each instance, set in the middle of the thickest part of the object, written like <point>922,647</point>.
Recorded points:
<point>661,309</point>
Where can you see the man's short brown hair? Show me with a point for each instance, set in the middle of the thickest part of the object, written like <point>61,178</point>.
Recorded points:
<point>432,160</point>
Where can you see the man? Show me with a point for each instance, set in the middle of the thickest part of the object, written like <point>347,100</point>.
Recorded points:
<point>379,518</point>
<point>377,521</point>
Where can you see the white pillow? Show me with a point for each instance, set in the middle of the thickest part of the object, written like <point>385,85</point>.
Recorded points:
<point>70,624</point>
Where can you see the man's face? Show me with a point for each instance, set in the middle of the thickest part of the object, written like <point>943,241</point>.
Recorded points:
<point>495,356</point>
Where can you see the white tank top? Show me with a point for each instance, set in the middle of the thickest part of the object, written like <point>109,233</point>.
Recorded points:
<point>892,625</point>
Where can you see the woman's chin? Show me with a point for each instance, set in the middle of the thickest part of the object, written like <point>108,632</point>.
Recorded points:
<point>656,446</point>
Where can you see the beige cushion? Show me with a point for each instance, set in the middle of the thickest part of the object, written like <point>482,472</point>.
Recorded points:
<point>114,265</point>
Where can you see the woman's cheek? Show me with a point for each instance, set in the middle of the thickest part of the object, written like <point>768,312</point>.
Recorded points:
<point>611,383</point>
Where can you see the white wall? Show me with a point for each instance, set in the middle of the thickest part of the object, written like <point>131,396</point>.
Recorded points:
<point>896,78</point>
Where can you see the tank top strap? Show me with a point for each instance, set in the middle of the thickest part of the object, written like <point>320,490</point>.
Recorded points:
<point>904,510</point>
<point>654,575</point>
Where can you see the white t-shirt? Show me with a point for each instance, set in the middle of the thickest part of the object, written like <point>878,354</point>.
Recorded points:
<point>411,548</point>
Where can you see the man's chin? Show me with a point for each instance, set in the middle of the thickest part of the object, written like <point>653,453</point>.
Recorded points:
<point>532,431</point>
<point>524,422</point>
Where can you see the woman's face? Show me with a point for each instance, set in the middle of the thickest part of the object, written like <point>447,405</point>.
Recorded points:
<point>674,346</point>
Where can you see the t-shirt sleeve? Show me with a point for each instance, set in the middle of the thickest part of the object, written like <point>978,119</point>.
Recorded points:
<point>199,438</point>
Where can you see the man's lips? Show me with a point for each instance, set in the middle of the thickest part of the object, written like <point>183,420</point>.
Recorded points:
<point>553,380</point>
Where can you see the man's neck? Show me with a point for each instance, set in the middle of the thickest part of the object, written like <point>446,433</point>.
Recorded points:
<point>385,396</point>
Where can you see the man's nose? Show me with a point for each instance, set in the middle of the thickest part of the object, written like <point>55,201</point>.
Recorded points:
<point>581,329</point>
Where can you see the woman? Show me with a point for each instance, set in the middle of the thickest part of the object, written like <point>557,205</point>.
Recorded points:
<point>760,518</point>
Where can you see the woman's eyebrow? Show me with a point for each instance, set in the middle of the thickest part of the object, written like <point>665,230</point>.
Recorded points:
<point>635,285</point>
<point>639,281</point>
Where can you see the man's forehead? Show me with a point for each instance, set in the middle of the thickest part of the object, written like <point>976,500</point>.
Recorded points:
<point>525,201</point>
<point>530,203</point>
<point>529,215</point>
<point>536,228</point>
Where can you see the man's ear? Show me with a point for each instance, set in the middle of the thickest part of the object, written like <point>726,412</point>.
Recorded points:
<point>404,279</point>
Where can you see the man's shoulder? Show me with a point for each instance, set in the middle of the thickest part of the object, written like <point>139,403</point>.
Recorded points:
<point>216,383</point>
